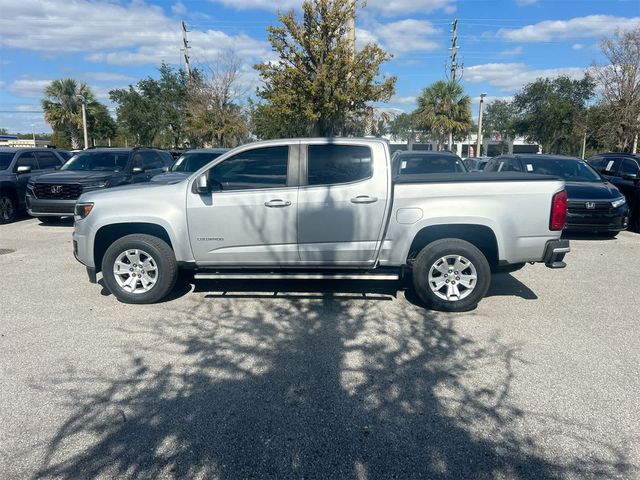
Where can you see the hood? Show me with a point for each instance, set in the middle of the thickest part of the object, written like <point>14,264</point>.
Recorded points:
<point>171,177</point>
<point>591,191</point>
<point>130,191</point>
<point>74,176</point>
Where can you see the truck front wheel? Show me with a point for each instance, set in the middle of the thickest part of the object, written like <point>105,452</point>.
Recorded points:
<point>451,275</point>
<point>139,269</point>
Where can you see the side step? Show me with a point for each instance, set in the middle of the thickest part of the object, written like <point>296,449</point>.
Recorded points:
<point>296,276</point>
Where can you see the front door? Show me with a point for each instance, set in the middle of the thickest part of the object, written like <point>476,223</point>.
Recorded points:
<point>250,217</point>
<point>342,204</point>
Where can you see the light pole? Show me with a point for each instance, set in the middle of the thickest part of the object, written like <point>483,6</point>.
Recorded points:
<point>84,120</point>
<point>33,132</point>
<point>482,95</point>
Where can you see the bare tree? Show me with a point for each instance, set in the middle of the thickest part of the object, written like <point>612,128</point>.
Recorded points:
<point>217,108</point>
<point>620,84</point>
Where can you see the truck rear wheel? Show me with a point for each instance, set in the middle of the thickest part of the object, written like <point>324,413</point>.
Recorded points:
<point>139,269</point>
<point>451,275</point>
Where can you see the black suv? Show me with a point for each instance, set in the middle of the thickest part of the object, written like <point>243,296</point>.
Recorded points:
<point>594,205</point>
<point>53,195</point>
<point>623,170</point>
<point>17,166</point>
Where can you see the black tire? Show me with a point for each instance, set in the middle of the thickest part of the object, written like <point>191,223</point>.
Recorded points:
<point>165,260</point>
<point>430,255</point>
<point>49,220</point>
<point>8,207</point>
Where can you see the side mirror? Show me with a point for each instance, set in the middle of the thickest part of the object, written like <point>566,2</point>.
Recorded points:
<point>201,185</point>
<point>165,169</point>
<point>137,170</point>
<point>23,169</point>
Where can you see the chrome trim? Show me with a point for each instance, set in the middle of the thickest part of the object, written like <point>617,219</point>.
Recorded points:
<point>295,276</point>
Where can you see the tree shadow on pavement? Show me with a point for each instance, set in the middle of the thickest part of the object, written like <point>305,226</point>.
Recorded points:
<point>322,387</point>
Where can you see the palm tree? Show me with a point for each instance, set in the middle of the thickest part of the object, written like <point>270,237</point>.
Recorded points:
<point>442,110</point>
<point>63,107</point>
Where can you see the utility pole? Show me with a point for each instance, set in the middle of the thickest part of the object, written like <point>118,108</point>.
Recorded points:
<point>84,120</point>
<point>478,153</point>
<point>454,64</point>
<point>584,143</point>
<point>185,49</point>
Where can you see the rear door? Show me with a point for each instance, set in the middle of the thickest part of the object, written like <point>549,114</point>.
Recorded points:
<point>342,202</point>
<point>250,217</point>
<point>25,159</point>
<point>628,186</point>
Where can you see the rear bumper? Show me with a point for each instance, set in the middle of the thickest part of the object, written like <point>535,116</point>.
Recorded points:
<point>44,208</point>
<point>554,253</point>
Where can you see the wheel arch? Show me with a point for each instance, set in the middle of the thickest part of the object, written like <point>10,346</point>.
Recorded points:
<point>481,236</point>
<point>108,234</point>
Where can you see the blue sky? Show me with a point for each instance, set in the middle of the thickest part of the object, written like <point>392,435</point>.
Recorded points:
<point>113,43</point>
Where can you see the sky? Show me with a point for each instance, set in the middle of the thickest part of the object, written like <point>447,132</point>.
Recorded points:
<point>109,44</point>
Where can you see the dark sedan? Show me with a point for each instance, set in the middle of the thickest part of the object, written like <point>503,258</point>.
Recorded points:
<point>594,205</point>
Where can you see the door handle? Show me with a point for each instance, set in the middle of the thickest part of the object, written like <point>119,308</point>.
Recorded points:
<point>364,199</point>
<point>277,203</point>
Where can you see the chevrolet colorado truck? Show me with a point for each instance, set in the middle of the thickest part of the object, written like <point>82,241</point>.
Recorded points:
<point>324,208</point>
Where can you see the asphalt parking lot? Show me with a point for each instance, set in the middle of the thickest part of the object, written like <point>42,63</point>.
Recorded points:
<point>315,380</point>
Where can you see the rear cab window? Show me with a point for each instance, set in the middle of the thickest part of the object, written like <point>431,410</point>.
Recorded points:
<point>432,163</point>
<point>336,164</point>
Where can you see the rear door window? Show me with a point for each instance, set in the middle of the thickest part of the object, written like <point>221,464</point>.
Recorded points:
<point>27,159</point>
<point>629,167</point>
<point>334,164</point>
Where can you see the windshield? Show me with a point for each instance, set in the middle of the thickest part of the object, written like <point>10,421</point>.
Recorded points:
<point>570,170</point>
<point>5,160</point>
<point>433,163</point>
<point>98,161</point>
<point>190,162</point>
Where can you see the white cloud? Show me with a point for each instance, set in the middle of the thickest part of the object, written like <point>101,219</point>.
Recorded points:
<point>388,7</point>
<point>510,77</point>
<point>135,33</point>
<point>403,100</point>
<point>578,46</point>
<point>400,37</point>
<point>578,27</point>
<point>178,8</point>
<point>107,77</point>
<point>28,87</point>
<point>512,52</point>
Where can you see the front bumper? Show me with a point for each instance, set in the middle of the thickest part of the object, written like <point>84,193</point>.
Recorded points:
<point>554,253</point>
<point>614,220</point>
<point>49,208</point>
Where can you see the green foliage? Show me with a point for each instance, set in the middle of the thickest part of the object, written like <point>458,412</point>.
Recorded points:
<point>217,115</point>
<point>402,127</point>
<point>500,116</point>
<point>318,83</point>
<point>63,110</point>
<point>154,108</point>
<point>552,112</point>
<point>442,109</point>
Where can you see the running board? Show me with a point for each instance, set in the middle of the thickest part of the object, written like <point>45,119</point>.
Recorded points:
<point>296,276</point>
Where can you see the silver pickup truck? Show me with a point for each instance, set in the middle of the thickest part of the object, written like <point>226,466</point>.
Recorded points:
<point>321,209</point>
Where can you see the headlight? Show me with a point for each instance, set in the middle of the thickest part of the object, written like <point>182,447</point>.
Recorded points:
<point>617,203</point>
<point>81,210</point>
<point>94,185</point>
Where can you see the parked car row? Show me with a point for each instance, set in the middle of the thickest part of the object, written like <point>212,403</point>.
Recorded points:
<point>47,182</point>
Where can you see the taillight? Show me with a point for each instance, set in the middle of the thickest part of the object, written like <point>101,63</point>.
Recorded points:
<point>558,211</point>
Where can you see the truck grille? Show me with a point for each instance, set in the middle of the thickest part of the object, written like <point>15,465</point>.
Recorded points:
<point>581,207</point>
<point>69,191</point>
